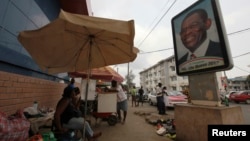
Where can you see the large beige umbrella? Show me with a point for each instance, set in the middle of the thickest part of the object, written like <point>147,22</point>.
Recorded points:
<point>76,42</point>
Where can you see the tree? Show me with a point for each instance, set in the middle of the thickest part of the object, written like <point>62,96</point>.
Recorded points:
<point>248,81</point>
<point>129,78</point>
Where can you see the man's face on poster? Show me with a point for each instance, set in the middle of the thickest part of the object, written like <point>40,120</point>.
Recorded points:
<point>193,31</point>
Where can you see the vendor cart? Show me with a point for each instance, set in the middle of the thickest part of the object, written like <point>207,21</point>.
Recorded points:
<point>106,108</point>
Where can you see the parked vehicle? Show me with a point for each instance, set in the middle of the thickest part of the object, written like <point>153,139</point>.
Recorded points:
<point>152,98</point>
<point>174,97</point>
<point>145,97</point>
<point>241,96</point>
<point>222,96</point>
<point>225,94</point>
<point>229,93</point>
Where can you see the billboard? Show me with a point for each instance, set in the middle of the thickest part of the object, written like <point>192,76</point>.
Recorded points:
<point>200,40</point>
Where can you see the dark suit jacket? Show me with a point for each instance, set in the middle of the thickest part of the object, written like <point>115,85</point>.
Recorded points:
<point>213,49</point>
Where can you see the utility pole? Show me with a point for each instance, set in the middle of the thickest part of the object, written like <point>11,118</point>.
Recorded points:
<point>128,91</point>
<point>128,76</point>
<point>226,82</point>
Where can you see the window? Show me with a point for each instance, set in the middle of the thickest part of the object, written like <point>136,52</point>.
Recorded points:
<point>185,77</point>
<point>172,68</point>
<point>173,78</point>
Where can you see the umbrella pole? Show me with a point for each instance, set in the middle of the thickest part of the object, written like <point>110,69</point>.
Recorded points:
<point>87,85</point>
<point>85,108</point>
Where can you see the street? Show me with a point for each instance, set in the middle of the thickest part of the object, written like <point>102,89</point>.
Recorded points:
<point>134,129</point>
<point>137,129</point>
<point>245,109</point>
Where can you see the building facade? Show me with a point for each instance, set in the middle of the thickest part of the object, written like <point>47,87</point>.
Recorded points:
<point>21,80</point>
<point>239,83</point>
<point>165,72</point>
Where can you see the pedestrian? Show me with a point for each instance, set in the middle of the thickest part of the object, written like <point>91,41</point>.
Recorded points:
<point>160,100</point>
<point>122,104</point>
<point>141,92</point>
<point>133,94</point>
<point>164,93</point>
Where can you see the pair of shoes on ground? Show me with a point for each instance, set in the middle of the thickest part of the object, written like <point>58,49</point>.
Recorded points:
<point>161,131</point>
<point>95,136</point>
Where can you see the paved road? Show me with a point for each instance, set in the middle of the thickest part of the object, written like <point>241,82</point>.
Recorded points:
<point>135,129</point>
<point>245,109</point>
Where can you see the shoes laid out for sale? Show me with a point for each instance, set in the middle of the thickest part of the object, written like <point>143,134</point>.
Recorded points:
<point>166,128</point>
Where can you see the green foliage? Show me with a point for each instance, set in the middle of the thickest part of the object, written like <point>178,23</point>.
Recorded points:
<point>248,78</point>
<point>129,79</point>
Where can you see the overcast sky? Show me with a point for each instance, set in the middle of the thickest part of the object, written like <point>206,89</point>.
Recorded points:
<point>153,30</point>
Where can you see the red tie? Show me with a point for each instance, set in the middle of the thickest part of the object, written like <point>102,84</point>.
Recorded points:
<point>192,56</point>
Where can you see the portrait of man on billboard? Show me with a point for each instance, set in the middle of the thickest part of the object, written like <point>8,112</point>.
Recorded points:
<point>199,41</point>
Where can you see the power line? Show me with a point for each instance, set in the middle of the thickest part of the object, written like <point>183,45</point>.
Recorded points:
<point>227,34</point>
<point>239,31</point>
<point>156,24</point>
<point>239,67</point>
<point>236,32</point>
<point>142,52</point>
<point>242,69</point>
<point>155,51</point>
<point>232,57</point>
<point>157,16</point>
<point>241,55</point>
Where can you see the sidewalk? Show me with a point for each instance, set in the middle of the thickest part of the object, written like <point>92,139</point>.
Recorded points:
<point>134,129</point>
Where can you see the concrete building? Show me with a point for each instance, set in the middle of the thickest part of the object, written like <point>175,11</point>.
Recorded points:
<point>165,72</point>
<point>238,83</point>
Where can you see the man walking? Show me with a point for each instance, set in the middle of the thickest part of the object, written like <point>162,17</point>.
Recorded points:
<point>141,92</point>
<point>133,93</point>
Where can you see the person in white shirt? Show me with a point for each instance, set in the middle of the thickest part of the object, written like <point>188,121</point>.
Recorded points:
<point>122,104</point>
<point>160,100</point>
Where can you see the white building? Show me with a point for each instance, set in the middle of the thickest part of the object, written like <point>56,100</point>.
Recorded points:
<point>238,83</point>
<point>165,72</point>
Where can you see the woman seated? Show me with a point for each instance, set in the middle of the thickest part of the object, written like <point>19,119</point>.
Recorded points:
<point>66,116</point>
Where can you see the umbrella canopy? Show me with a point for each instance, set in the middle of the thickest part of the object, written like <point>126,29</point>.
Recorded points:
<point>76,42</point>
<point>104,73</point>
